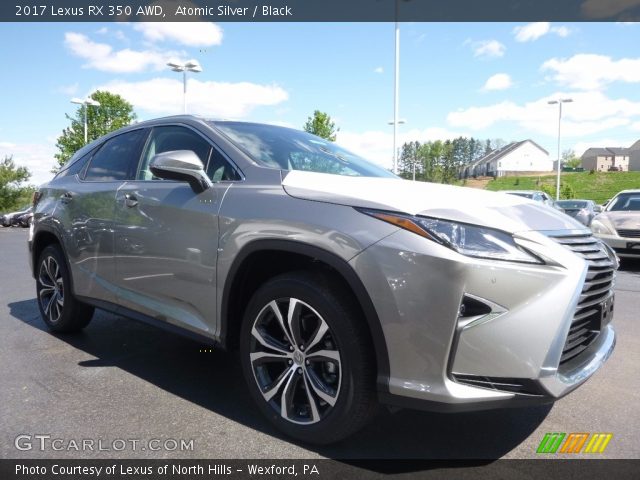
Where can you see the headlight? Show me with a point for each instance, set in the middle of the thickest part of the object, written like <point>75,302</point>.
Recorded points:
<point>470,240</point>
<point>601,226</point>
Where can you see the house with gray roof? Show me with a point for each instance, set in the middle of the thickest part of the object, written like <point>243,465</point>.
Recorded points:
<point>606,159</point>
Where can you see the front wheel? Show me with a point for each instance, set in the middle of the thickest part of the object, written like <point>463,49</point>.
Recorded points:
<point>58,307</point>
<point>307,359</point>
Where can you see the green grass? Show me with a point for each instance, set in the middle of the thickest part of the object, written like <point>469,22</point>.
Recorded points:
<point>598,186</point>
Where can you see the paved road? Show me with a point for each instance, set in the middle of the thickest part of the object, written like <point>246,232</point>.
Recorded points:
<point>123,380</point>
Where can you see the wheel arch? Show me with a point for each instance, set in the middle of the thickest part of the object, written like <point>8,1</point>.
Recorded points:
<point>291,255</point>
<point>42,239</point>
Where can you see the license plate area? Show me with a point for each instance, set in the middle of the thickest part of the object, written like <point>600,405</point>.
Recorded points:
<point>606,311</point>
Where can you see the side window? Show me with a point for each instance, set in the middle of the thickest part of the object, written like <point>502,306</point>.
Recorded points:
<point>117,159</point>
<point>166,139</point>
<point>219,169</point>
<point>77,166</point>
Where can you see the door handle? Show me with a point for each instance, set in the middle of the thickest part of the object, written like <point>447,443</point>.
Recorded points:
<point>66,197</point>
<point>130,200</point>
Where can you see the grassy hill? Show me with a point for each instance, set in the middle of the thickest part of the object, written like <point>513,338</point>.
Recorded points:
<point>597,186</point>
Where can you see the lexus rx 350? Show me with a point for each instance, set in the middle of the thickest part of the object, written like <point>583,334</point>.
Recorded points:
<point>341,285</point>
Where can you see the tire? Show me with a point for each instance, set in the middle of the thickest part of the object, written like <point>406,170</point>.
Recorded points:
<point>328,388</point>
<point>58,307</point>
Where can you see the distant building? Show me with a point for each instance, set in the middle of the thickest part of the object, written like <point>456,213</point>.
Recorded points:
<point>634,157</point>
<point>515,158</point>
<point>607,159</point>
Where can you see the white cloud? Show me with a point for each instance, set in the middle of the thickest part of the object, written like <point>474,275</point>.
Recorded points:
<point>561,31</point>
<point>69,89</point>
<point>377,145</point>
<point>533,31</point>
<point>600,9</point>
<point>378,70</point>
<point>635,127</point>
<point>192,34</point>
<point>212,99</point>
<point>102,56</point>
<point>488,49</point>
<point>38,158</point>
<point>591,71</point>
<point>591,113</point>
<point>499,81</point>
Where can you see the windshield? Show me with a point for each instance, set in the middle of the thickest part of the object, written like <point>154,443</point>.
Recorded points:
<point>571,204</point>
<point>625,202</point>
<point>287,149</point>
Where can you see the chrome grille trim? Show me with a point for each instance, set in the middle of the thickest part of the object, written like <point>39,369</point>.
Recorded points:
<point>598,286</point>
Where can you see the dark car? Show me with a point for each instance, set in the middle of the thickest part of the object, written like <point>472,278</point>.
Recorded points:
<point>23,220</point>
<point>10,219</point>
<point>581,210</point>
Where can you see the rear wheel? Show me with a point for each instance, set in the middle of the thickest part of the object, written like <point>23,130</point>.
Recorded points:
<point>306,358</point>
<point>58,307</point>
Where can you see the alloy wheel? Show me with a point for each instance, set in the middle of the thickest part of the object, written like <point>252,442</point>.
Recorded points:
<point>295,361</point>
<point>51,291</point>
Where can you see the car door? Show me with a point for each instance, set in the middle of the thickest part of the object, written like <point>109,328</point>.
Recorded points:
<point>87,209</point>
<point>167,235</point>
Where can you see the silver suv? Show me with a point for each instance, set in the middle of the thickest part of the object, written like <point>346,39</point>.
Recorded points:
<point>342,286</point>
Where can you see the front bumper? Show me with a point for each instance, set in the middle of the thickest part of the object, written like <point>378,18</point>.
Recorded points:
<point>515,353</point>
<point>623,246</point>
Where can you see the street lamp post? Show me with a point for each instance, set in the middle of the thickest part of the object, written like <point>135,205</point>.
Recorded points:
<point>190,66</point>
<point>400,121</point>
<point>86,102</point>
<point>396,94</point>
<point>559,103</point>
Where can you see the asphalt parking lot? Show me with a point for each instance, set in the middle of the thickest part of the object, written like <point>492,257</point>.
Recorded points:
<point>123,380</point>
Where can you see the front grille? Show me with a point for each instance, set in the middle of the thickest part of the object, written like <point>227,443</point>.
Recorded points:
<point>523,386</point>
<point>585,326</point>
<point>628,233</point>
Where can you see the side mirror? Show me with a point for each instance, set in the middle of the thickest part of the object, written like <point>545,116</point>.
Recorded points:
<point>181,165</point>
<point>597,209</point>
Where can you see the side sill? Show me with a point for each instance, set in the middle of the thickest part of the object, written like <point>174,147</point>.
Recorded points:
<point>154,322</point>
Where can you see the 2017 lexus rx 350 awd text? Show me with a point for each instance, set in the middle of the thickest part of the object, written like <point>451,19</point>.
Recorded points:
<point>341,285</point>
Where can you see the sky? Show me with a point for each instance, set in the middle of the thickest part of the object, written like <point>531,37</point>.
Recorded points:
<point>486,80</point>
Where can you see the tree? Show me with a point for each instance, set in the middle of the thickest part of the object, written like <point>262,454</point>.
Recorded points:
<point>12,190</point>
<point>113,113</point>
<point>320,124</point>
<point>487,147</point>
<point>410,160</point>
<point>570,159</point>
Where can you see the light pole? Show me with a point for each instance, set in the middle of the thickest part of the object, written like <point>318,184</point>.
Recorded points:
<point>86,102</point>
<point>559,103</point>
<point>401,121</point>
<point>190,66</point>
<point>396,94</point>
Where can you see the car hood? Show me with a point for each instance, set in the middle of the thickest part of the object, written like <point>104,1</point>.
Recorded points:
<point>622,220</point>
<point>497,210</point>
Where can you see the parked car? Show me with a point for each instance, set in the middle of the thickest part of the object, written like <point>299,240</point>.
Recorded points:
<point>341,285</point>
<point>581,210</point>
<point>10,219</point>
<point>619,224</point>
<point>536,195</point>
<point>23,220</point>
